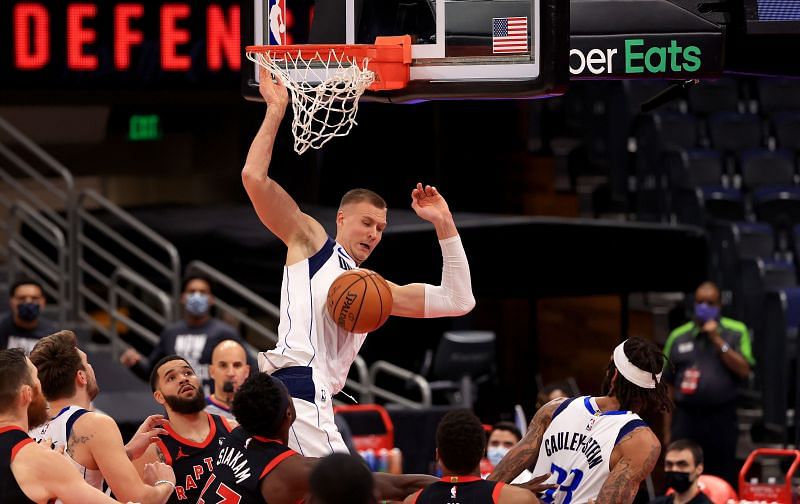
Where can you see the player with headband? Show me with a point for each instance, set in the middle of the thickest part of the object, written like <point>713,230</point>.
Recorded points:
<point>597,448</point>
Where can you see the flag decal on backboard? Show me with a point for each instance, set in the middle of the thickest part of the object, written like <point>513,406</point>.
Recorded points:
<point>509,35</point>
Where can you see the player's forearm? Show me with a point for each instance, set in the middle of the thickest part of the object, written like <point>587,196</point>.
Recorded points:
<point>398,487</point>
<point>445,227</point>
<point>158,494</point>
<point>453,297</point>
<point>256,166</point>
<point>515,461</point>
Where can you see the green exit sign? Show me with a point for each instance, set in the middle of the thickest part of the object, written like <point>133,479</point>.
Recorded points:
<point>144,127</point>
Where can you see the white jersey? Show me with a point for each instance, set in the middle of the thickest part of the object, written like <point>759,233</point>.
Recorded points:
<point>307,336</point>
<point>58,429</point>
<point>576,448</point>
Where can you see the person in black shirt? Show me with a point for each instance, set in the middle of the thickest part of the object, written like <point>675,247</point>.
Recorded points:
<point>460,443</point>
<point>710,357</point>
<point>683,465</point>
<point>23,326</point>
<point>193,338</point>
<point>193,435</point>
<point>254,464</point>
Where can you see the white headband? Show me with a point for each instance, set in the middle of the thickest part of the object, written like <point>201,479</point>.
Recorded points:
<point>633,374</point>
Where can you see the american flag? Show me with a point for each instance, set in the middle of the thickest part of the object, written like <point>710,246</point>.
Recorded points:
<point>509,35</point>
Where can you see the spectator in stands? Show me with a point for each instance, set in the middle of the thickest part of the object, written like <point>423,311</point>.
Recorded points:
<point>192,338</point>
<point>228,369</point>
<point>683,465</point>
<point>24,325</point>
<point>502,438</point>
<point>554,390</point>
<point>341,479</point>
<point>710,358</point>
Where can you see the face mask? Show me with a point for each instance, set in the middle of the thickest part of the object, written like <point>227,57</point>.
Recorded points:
<point>197,303</point>
<point>678,481</point>
<point>28,311</point>
<point>495,454</point>
<point>705,312</point>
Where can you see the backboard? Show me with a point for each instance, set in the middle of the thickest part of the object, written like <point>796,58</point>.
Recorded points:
<point>461,48</point>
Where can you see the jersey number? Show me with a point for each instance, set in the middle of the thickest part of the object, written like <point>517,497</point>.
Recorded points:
<point>228,495</point>
<point>561,477</point>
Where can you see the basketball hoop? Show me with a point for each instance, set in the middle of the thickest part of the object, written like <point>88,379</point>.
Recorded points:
<point>326,82</point>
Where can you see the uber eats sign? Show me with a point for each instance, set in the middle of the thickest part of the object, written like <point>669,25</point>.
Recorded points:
<point>645,56</point>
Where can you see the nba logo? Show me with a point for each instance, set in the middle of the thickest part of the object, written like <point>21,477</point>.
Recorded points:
<point>277,22</point>
<point>590,424</point>
<point>453,492</point>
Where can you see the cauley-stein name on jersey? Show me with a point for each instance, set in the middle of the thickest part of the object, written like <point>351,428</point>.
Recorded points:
<point>575,441</point>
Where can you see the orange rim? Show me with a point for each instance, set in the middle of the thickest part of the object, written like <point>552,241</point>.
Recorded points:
<point>389,58</point>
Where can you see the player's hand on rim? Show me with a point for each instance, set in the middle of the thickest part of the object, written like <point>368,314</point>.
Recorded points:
<point>273,92</point>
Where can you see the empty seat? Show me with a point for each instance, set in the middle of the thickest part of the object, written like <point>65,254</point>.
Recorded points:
<point>731,131</point>
<point>710,96</point>
<point>753,240</point>
<point>667,130</point>
<point>757,277</point>
<point>723,203</point>
<point>779,206</point>
<point>786,126</point>
<point>778,94</point>
<point>762,167</point>
<point>688,168</point>
<point>463,360</point>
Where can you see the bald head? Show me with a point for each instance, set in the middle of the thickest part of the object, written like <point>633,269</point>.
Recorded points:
<point>228,366</point>
<point>707,293</point>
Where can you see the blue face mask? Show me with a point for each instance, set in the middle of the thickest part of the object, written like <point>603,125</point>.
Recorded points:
<point>197,303</point>
<point>28,311</point>
<point>495,454</point>
<point>705,312</point>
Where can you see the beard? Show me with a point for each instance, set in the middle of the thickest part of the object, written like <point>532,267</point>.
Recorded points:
<point>92,388</point>
<point>186,406</point>
<point>38,410</point>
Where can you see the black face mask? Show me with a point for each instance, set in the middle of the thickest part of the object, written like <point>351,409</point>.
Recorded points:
<point>678,481</point>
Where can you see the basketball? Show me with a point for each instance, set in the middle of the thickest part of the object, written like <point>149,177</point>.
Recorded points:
<point>359,301</point>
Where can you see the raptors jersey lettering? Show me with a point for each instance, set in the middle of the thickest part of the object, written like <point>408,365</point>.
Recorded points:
<point>12,439</point>
<point>307,334</point>
<point>576,448</point>
<point>460,490</point>
<point>243,461</point>
<point>59,429</point>
<point>192,462</point>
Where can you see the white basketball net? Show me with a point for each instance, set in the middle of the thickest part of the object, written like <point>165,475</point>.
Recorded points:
<point>325,91</point>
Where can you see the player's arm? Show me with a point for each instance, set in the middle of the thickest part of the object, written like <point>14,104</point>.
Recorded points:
<point>399,486</point>
<point>514,495</point>
<point>525,453</point>
<point>109,454</point>
<point>288,481</point>
<point>637,456</point>
<point>453,296</point>
<point>411,499</point>
<point>45,475</point>
<point>151,455</point>
<point>275,208</point>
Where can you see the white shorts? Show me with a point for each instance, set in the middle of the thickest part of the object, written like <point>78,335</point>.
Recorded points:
<point>314,432</point>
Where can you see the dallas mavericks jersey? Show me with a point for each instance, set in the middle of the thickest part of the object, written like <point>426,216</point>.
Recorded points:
<point>59,429</point>
<point>576,448</point>
<point>307,336</point>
